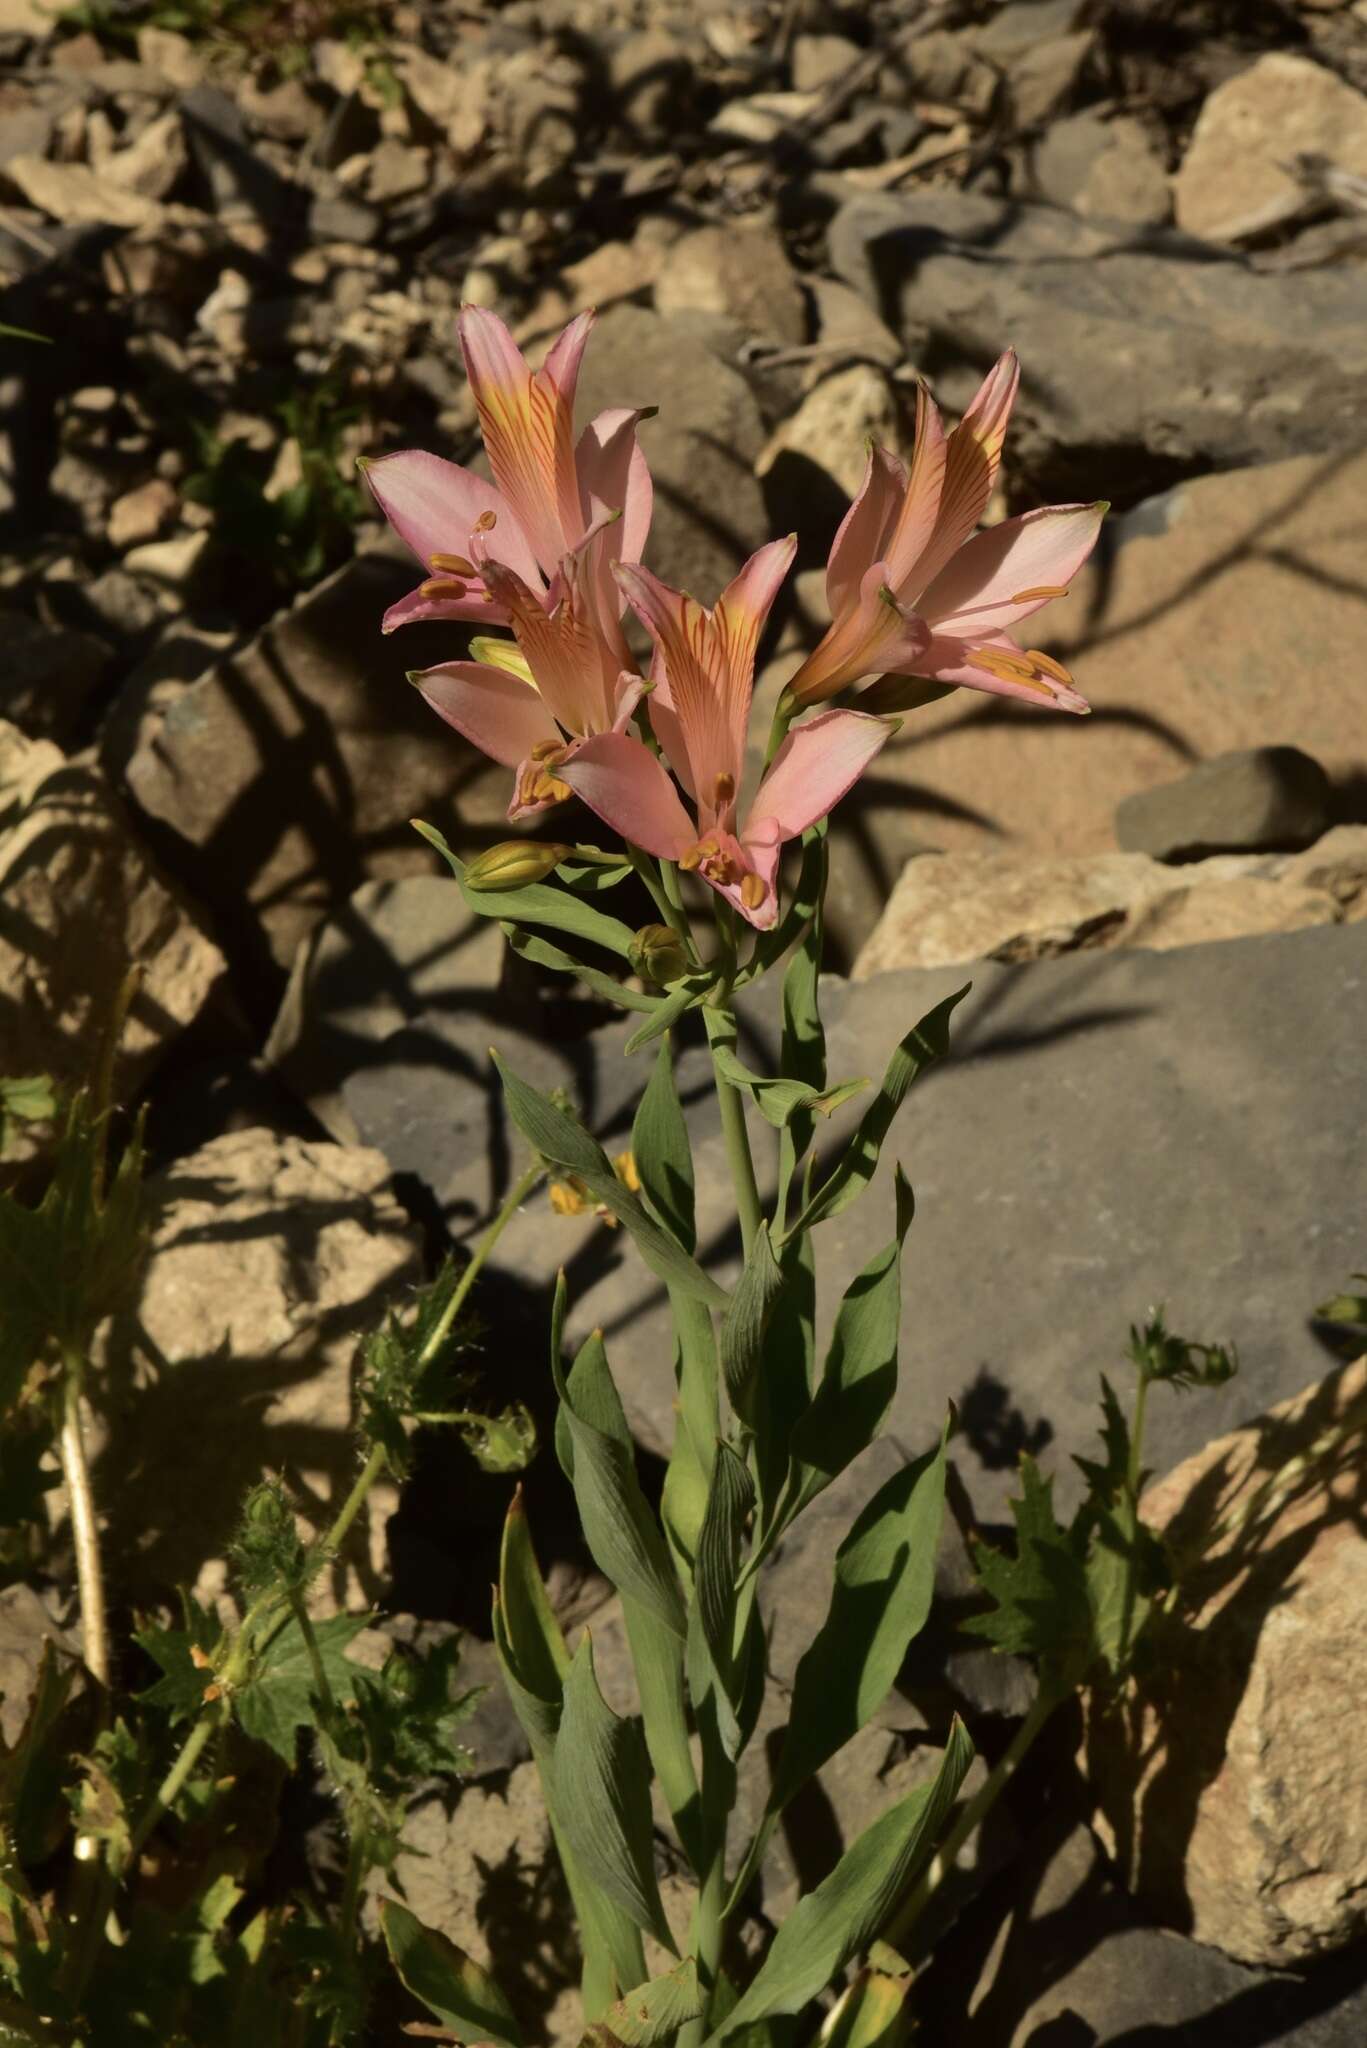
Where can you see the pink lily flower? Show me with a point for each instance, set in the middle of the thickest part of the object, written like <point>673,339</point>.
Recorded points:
<point>531,702</point>
<point>548,497</point>
<point>700,709</point>
<point>915,589</point>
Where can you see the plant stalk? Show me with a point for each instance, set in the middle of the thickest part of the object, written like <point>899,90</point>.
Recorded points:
<point>85,1531</point>
<point>516,1196</point>
<point>721,1025</point>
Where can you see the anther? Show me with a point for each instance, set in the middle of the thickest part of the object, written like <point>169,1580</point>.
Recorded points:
<point>752,891</point>
<point>441,586</point>
<point>725,789</point>
<point>486,522</point>
<point>1040,593</point>
<point>1046,665</point>
<point>457,564</point>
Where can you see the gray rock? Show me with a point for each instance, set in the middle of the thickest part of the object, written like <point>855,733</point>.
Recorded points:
<point>709,510</point>
<point>1147,351</point>
<point>742,273</point>
<point>28,1628</point>
<point>1265,799</point>
<point>1105,169</point>
<point>51,673</point>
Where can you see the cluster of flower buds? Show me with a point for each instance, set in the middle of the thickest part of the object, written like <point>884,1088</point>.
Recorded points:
<point>552,551</point>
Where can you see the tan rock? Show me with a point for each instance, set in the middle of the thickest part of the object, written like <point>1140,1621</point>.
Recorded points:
<point>1232,181</point>
<point>173,55</point>
<point>150,165</point>
<point>1233,1787</point>
<point>271,1257</point>
<point>832,426</point>
<point>1240,907</point>
<point>75,195</point>
<point>1228,604</point>
<point>81,906</point>
<point>1336,863</point>
<point>1103,169</point>
<point>743,273</point>
<point>140,514</point>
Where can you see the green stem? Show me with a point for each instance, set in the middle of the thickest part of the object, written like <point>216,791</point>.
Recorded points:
<point>517,1195</point>
<point>785,711</point>
<point>327,1704</point>
<point>177,1778</point>
<point>975,1812</point>
<point>704,1943</point>
<point>351,1894</point>
<point>652,874</point>
<point>1136,1469</point>
<point>720,1029</point>
<point>85,1533</point>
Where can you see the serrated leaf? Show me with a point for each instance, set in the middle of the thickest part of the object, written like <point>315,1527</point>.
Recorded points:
<point>563,1141</point>
<point>845,1912</point>
<point>1041,1605</point>
<point>602,1797</point>
<point>277,1699</point>
<point>538,904</point>
<point>651,2013</point>
<point>747,1320</point>
<point>450,1984</point>
<point>180,1689</point>
<point>884,1583</point>
<point>925,1044</point>
<point>664,1157</point>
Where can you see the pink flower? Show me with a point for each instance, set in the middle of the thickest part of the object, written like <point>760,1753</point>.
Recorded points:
<point>915,590</point>
<point>548,496</point>
<point>700,709</point>
<point>530,702</point>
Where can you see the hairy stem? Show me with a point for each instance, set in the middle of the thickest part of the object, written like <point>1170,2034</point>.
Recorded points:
<point>517,1195</point>
<point>85,1532</point>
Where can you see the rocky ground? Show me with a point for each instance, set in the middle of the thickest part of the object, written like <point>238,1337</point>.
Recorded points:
<point>242,232</point>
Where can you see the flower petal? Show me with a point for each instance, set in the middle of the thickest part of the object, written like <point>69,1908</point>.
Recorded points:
<point>920,511</point>
<point>862,533</point>
<point>973,456</point>
<point>495,711</point>
<point>813,768</point>
<point>626,786</point>
<point>612,468</point>
<point>433,504</point>
<point>416,610</point>
<point>858,642</point>
<point>528,426</point>
<point>1008,571</point>
<point>950,660</point>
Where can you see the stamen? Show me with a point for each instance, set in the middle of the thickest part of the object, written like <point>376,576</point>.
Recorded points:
<point>1040,592</point>
<point>457,564</point>
<point>752,891</point>
<point>1046,664</point>
<point>441,587</point>
<point>725,789</point>
<point>545,749</point>
<point>998,662</point>
<point>692,859</point>
<point>486,522</point>
<point>550,789</point>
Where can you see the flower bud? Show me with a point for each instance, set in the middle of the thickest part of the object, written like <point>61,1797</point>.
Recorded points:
<point>513,863</point>
<point>657,954</point>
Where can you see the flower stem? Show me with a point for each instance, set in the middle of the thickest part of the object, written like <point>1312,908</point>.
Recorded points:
<point>720,1030</point>
<point>84,1527</point>
<point>517,1195</point>
<point>972,1817</point>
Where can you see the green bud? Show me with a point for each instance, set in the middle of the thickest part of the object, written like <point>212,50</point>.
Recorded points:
<point>513,863</point>
<point>657,954</point>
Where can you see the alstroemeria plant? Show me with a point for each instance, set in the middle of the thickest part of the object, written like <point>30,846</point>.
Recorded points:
<point>764,1422</point>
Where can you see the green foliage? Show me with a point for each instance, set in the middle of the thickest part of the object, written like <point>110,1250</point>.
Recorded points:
<point>1345,1308</point>
<point>28,1099</point>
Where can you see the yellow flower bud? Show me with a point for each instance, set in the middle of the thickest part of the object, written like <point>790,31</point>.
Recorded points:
<point>568,1197</point>
<point>513,863</point>
<point>624,1166</point>
<point>657,954</point>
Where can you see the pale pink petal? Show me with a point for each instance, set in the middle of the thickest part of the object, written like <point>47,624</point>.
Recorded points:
<point>495,711</point>
<point>417,610</point>
<point>861,535</point>
<point>527,424</point>
<point>1008,571</point>
<point>689,647</point>
<point>630,690</point>
<point>760,850</point>
<point>950,660</point>
<point>612,468</point>
<point>560,367</point>
<point>814,767</point>
<point>738,620</point>
<point>433,504</point>
<point>972,458</point>
<point>920,511</point>
<point>664,723</point>
<point>625,785</point>
<point>855,644</point>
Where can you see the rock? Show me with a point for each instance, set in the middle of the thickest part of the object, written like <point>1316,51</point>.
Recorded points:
<point>289,773</point>
<point>271,1258</point>
<point>76,195</point>
<point>172,562</point>
<point>763,118</point>
<point>27,18</point>
<point>1103,169</point>
<point>82,905</point>
<point>943,66</point>
<point>396,171</point>
<point>845,323</point>
<point>27,1629</point>
<point>1205,625</point>
<point>830,431</point>
<point>1337,864</point>
<point>651,75</point>
<point>50,676</point>
<point>173,55</point>
<point>140,514</point>
<point>1233,180</point>
<point>1042,77</point>
<point>1259,800</point>
<point>1013,31</point>
<point>741,272</point>
<point>1016,907</point>
<point>152,163</point>
<point>709,509</point>
<point>1233,1791</point>
<point>398,949</point>
<point>818,60</point>
<point>1174,365</point>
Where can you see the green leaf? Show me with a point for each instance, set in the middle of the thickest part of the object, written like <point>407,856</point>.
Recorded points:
<point>746,1321</point>
<point>498,1443</point>
<point>602,1797</point>
<point>783,1391</point>
<point>409,1712</point>
<point>770,947</point>
<point>923,1045</point>
<point>663,1155</point>
<point>684,995</point>
<point>859,1377</point>
<point>539,903</point>
<point>870,2014</point>
<point>780,1100</point>
<point>845,1913</point>
<point>450,1984</point>
<point>528,947</point>
<point>277,1699</point>
<point>562,1140</point>
<point>651,2013</point>
<point>1041,1606</point>
<point>730,1501</point>
<point>180,1689</point>
<point>884,1582</point>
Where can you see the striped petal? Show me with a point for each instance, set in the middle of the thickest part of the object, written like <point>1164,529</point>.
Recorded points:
<point>434,505</point>
<point>495,711</point>
<point>996,664</point>
<point>1008,571</point>
<point>862,535</point>
<point>527,420</point>
<point>973,456</point>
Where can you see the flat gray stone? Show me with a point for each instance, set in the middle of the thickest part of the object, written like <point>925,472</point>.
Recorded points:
<point>1261,799</point>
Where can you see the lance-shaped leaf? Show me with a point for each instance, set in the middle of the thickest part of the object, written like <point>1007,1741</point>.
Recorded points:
<point>859,1377</point>
<point>747,1319</point>
<point>730,1500</point>
<point>783,1390</point>
<point>770,947</point>
<point>802,1052</point>
<point>871,2014</point>
<point>663,1155</point>
<point>528,947</point>
<point>779,1100</point>
<point>537,903</point>
<point>923,1045</point>
<point>884,1581</point>
<point>844,1914</point>
<point>602,1798</point>
<point>450,1984</point>
<point>563,1141</point>
<point>651,2013</point>
<point>684,995</point>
